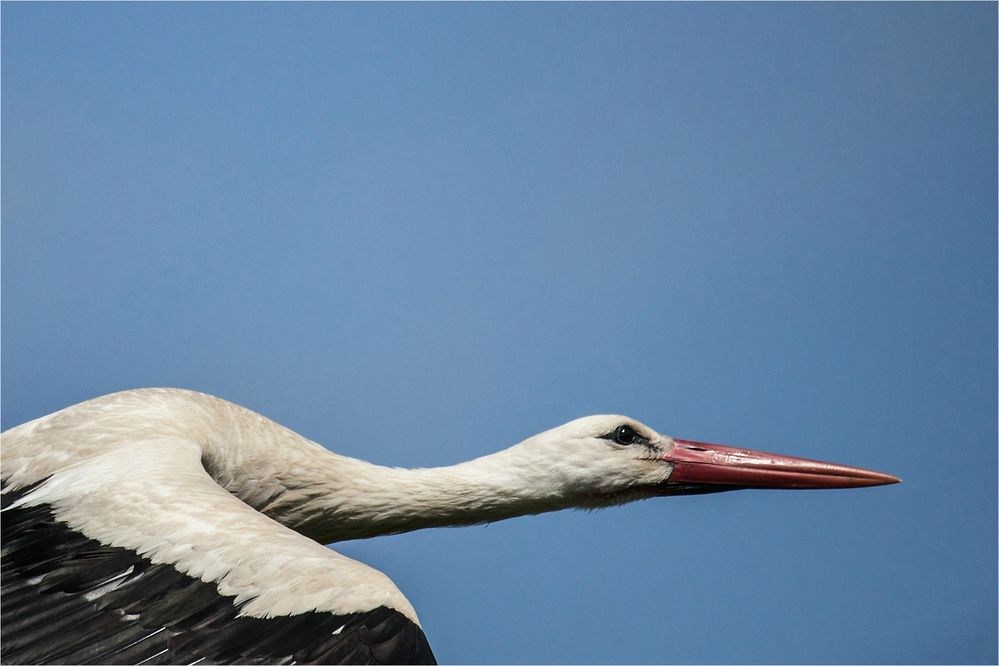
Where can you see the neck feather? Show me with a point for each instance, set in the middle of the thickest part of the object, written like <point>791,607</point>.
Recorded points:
<point>330,497</point>
<point>373,500</point>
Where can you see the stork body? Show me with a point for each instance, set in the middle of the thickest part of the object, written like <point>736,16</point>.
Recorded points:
<point>168,526</point>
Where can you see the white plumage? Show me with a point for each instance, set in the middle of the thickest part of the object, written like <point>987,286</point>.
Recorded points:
<point>237,507</point>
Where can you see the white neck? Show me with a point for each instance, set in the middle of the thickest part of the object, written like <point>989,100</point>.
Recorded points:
<point>352,499</point>
<point>330,497</point>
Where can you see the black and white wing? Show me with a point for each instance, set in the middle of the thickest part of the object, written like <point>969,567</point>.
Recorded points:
<point>170,568</point>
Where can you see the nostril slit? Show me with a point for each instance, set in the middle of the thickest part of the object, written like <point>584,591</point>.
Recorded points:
<point>695,448</point>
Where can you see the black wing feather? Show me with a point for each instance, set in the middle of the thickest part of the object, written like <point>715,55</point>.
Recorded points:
<point>65,598</point>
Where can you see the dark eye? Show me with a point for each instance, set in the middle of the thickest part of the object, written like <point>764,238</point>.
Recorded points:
<point>625,435</point>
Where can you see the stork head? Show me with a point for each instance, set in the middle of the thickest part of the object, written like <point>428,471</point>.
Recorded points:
<point>603,460</point>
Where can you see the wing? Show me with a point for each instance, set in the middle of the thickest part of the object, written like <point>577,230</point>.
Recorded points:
<point>70,599</point>
<point>103,574</point>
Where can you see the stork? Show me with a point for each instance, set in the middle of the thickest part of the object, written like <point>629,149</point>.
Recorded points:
<point>169,526</point>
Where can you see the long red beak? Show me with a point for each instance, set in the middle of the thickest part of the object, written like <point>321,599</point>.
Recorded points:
<point>697,465</point>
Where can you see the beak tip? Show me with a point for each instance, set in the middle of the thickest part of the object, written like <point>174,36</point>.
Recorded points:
<point>871,481</point>
<point>882,479</point>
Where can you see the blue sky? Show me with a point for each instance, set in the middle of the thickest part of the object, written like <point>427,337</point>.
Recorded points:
<point>418,233</point>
